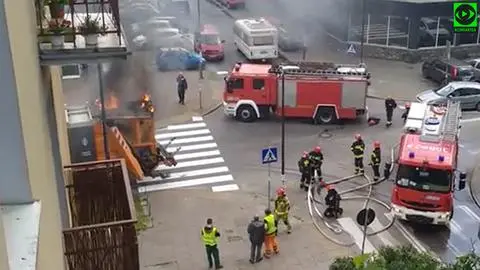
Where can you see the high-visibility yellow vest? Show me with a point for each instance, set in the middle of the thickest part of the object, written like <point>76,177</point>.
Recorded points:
<point>209,238</point>
<point>270,222</point>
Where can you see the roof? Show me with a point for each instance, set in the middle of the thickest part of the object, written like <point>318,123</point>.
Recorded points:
<point>422,1</point>
<point>253,69</point>
<point>461,84</point>
<point>427,151</point>
<point>209,29</point>
<point>256,24</point>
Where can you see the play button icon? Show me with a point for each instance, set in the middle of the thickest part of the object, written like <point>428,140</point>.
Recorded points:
<point>465,14</point>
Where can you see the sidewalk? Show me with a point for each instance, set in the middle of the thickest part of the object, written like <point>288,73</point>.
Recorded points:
<point>475,183</point>
<point>178,215</point>
<point>202,97</point>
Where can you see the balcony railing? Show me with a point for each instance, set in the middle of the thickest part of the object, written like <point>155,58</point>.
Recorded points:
<point>78,30</point>
<point>102,233</point>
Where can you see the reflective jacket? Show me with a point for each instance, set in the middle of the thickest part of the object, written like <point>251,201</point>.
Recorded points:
<point>315,158</point>
<point>282,205</point>
<point>358,148</point>
<point>304,164</point>
<point>209,236</point>
<point>375,157</point>
<point>270,224</point>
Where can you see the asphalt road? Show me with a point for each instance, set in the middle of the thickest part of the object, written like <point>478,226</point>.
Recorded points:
<point>241,143</point>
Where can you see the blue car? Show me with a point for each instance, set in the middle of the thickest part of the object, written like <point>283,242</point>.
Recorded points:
<point>178,59</point>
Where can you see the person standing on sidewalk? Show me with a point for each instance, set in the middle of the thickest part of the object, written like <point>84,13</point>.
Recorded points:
<point>182,87</point>
<point>282,208</point>
<point>375,160</point>
<point>256,233</point>
<point>271,245</point>
<point>390,105</point>
<point>210,236</point>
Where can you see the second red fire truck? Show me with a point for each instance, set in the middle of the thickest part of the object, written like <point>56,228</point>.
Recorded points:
<point>324,92</point>
<point>427,163</point>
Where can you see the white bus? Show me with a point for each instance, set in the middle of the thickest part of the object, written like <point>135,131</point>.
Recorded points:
<point>257,39</point>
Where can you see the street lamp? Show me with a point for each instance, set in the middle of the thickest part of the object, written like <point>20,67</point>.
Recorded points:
<point>284,69</point>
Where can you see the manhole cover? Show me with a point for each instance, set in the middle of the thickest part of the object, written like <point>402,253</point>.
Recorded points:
<point>234,238</point>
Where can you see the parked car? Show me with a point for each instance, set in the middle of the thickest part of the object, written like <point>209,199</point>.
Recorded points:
<point>289,40</point>
<point>467,93</point>
<point>475,63</point>
<point>209,44</point>
<point>444,70</point>
<point>178,59</point>
<point>230,4</point>
<point>163,38</point>
<point>143,27</point>
<point>428,32</point>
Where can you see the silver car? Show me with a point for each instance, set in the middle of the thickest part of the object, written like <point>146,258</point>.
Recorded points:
<point>467,93</point>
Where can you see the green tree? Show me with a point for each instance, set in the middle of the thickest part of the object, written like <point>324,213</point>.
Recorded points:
<point>403,258</point>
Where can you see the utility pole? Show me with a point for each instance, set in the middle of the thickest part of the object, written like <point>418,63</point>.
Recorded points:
<point>283,127</point>
<point>198,16</point>
<point>364,11</point>
<point>104,113</point>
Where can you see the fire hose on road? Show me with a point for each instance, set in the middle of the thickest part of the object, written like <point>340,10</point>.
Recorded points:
<point>312,203</point>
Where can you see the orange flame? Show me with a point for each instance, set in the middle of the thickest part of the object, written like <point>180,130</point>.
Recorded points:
<point>110,103</point>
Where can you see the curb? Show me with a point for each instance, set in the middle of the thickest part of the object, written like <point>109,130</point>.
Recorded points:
<point>213,109</point>
<point>475,174</point>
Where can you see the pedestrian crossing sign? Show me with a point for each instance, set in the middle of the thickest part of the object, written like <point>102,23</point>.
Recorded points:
<point>351,49</point>
<point>269,155</point>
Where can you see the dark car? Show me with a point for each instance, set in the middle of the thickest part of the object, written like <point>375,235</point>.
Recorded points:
<point>289,40</point>
<point>444,71</point>
<point>428,32</point>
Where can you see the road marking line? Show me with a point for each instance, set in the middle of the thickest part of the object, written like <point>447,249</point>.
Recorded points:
<point>182,134</point>
<point>186,126</point>
<point>197,155</point>
<point>349,225</point>
<point>197,118</point>
<point>456,229</point>
<point>192,147</point>
<point>469,212</point>
<point>470,120</point>
<point>192,163</point>
<point>231,187</point>
<point>187,140</point>
<point>192,173</point>
<point>404,231</point>
<point>187,183</point>
<point>385,236</point>
<point>453,248</point>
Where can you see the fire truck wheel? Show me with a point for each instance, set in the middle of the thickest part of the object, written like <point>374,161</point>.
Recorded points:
<point>325,115</point>
<point>246,113</point>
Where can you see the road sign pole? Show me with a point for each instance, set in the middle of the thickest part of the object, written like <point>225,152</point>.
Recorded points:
<point>269,185</point>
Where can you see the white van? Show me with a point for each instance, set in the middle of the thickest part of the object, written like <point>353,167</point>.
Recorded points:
<point>257,39</point>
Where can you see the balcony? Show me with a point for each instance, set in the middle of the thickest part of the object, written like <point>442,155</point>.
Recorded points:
<point>79,31</point>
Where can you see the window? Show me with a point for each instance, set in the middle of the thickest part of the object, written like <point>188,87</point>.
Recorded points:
<point>237,84</point>
<point>424,179</point>
<point>258,84</point>
<point>462,92</point>
<point>474,91</point>
<point>71,72</point>
<point>262,41</point>
<point>210,39</point>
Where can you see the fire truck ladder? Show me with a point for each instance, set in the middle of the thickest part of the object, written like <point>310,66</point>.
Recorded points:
<point>322,69</point>
<point>452,121</point>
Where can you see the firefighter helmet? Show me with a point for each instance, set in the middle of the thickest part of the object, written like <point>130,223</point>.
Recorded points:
<point>407,105</point>
<point>317,149</point>
<point>305,154</point>
<point>376,144</point>
<point>281,191</point>
<point>358,137</point>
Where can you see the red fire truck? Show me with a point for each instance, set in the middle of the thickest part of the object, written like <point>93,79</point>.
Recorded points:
<point>427,162</point>
<point>324,92</point>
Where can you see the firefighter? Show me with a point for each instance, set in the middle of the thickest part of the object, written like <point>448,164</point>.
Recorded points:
<point>316,160</point>
<point>304,167</point>
<point>375,159</point>
<point>405,113</point>
<point>282,207</point>
<point>210,235</point>
<point>332,201</point>
<point>358,148</point>
<point>390,105</point>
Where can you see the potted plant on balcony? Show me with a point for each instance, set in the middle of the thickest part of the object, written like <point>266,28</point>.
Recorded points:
<point>58,28</point>
<point>90,29</point>
<point>57,8</point>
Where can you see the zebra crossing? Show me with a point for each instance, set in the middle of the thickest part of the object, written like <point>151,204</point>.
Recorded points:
<point>199,161</point>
